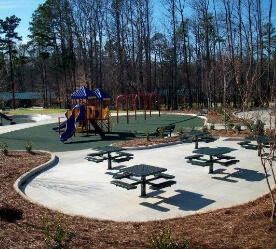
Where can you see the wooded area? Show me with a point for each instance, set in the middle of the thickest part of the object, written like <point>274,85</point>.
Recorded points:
<point>196,53</point>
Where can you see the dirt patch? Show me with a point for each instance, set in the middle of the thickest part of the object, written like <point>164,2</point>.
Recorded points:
<point>140,142</point>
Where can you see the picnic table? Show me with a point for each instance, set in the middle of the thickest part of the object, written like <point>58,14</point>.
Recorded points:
<point>261,142</point>
<point>216,155</point>
<point>198,135</point>
<point>142,171</point>
<point>107,153</point>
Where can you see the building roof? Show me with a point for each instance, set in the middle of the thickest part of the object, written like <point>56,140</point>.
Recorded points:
<point>24,95</point>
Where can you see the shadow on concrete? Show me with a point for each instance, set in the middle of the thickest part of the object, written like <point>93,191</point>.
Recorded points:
<point>184,200</point>
<point>245,174</point>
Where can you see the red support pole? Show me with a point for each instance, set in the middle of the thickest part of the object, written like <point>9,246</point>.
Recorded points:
<point>117,105</point>
<point>135,106</point>
<point>145,105</point>
<point>117,108</point>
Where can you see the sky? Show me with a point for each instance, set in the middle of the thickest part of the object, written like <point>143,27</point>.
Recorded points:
<point>24,9</point>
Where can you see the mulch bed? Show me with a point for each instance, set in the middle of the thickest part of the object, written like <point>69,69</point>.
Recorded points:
<point>245,226</point>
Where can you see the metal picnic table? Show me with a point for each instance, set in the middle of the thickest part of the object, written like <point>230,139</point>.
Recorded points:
<point>107,150</point>
<point>143,171</point>
<point>213,152</point>
<point>196,134</point>
<point>261,141</point>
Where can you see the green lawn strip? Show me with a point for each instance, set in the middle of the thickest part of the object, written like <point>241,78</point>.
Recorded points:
<point>33,111</point>
<point>44,138</point>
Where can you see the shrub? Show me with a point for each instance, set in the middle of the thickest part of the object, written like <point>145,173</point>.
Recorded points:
<point>181,131</point>
<point>161,132</point>
<point>249,126</point>
<point>29,147</point>
<point>58,239</point>
<point>238,128</point>
<point>148,135</point>
<point>258,128</point>
<point>204,128</point>
<point>226,115</point>
<point>4,148</point>
<point>230,126</point>
<point>212,126</point>
<point>164,241</point>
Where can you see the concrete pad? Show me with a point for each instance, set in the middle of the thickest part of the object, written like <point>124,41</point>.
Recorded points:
<point>80,187</point>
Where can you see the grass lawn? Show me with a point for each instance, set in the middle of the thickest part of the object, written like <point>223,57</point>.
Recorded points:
<point>33,111</point>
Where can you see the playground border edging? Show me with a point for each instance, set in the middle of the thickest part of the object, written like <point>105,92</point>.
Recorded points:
<point>23,178</point>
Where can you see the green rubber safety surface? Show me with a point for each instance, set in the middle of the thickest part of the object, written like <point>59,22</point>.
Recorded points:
<point>45,138</point>
<point>16,119</point>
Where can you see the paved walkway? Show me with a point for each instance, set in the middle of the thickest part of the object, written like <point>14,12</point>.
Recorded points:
<point>39,120</point>
<point>79,187</point>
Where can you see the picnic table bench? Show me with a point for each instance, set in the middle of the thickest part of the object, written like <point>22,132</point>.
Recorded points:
<point>193,157</point>
<point>107,153</point>
<point>167,129</point>
<point>200,162</point>
<point>229,162</point>
<point>250,146</point>
<point>122,175</point>
<point>207,139</point>
<point>225,157</point>
<point>125,185</point>
<point>157,186</point>
<point>122,157</point>
<point>244,143</point>
<point>197,160</point>
<point>95,160</point>
<point>186,139</point>
<point>163,175</point>
<point>119,157</point>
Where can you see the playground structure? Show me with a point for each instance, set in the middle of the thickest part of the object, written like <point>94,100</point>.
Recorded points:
<point>135,97</point>
<point>92,109</point>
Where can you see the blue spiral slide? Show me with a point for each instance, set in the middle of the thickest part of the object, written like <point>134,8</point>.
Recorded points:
<point>78,113</point>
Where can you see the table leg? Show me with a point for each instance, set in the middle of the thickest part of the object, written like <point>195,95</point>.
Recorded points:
<point>109,166</point>
<point>196,142</point>
<point>211,167</point>
<point>259,149</point>
<point>143,186</point>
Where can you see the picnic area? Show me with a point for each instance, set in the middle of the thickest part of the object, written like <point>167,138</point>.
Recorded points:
<point>157,205</point>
